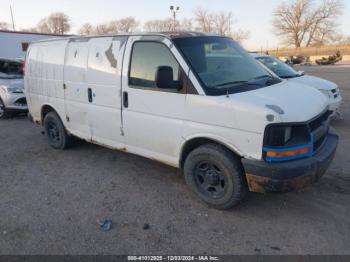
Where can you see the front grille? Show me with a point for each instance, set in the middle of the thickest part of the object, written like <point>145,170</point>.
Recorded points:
<point>317,122</point>
<point>319,142</point>
<point>21,101</point>
<point>319,128</point>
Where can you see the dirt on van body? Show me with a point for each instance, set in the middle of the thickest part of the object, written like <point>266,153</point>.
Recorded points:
<point>53,202</point>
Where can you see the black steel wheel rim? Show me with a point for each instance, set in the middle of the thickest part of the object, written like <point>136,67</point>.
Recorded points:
<point>210,179</point>
<point>53,132</point>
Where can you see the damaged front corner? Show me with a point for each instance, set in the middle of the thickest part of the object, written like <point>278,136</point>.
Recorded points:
<point>262,184</point>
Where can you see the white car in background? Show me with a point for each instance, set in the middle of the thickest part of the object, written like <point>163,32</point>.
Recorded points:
<point>12,97</point>
<point>284,71</point>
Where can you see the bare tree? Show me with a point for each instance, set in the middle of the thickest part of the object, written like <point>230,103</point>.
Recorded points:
<point>42,27</point>
<point>127,25</point>
<point>240,35</point>
<point>159,25</point>
<point>186,25</point>
<point>56,23</point>
<point>4,26</point>
<point>100,29</point>
<point>345,40</point>
<point>86,29</point>
<point>340,39</point>
<point>301,23</point>
<point>324,25</point>
<point>222,23</point>
<point>204,20</point>
<point>108,28</point>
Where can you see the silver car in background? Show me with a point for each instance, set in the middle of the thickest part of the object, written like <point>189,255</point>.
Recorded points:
<point>12,97</point>
<point>284,71</point>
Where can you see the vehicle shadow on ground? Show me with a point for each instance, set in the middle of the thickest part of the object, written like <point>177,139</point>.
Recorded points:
<point>316,196</point>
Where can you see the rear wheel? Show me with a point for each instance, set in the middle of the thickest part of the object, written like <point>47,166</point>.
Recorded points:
<point>56,133</point>
<point>216,175</point>
<point>4,112</point>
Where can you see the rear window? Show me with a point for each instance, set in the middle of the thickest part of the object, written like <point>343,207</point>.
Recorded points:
<point>11,69</point>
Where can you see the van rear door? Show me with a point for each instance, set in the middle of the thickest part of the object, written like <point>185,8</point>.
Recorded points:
<point>77,105</point>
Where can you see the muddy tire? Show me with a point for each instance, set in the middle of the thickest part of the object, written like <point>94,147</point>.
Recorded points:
<point>56,133</point>
<point>216,176</point>
<point>4,112</point>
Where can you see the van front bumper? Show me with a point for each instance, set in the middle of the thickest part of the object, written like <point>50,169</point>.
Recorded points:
<point>282,177</point>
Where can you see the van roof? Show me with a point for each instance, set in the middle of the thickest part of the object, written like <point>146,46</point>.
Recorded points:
<point>31,33</point>
<point>169,34</point>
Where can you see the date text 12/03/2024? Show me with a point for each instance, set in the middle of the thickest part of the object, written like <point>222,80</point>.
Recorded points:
<point>173,258</point>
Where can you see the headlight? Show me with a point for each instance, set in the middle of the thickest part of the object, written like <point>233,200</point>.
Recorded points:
<point>283,142</point>
<point>326,93</point>
<point>278,135</point>
<point>13,89</point>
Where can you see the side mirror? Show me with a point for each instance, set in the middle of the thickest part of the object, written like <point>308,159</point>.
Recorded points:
<point>164,78</point>
<point>301,73</point>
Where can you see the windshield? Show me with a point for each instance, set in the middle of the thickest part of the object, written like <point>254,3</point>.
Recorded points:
<point>223,66</point>
<point>278,67</point>
<point>11,69</point>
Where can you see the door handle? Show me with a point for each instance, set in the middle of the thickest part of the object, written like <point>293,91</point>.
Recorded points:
<point>90,95</point>
<point>125,99</point>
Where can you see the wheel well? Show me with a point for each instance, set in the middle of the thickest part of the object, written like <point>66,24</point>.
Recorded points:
<point>45,110</point>
<point>196,142</point>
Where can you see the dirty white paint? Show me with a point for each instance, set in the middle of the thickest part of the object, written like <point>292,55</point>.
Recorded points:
<point>156,124</point>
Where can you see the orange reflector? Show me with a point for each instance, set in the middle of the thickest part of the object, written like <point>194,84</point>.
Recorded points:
<point>289,153</point>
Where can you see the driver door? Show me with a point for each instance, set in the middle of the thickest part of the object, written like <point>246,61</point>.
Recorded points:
<point>152,117</point>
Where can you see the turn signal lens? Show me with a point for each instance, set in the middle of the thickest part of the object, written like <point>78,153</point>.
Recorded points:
<point>289,153</point>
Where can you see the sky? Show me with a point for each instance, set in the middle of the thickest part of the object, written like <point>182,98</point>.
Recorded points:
<point>254,16</point>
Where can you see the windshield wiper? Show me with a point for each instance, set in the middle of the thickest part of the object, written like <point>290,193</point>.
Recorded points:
<point>263,76</point>
<point>230,83</point>
<point>291,76</point>
<point>270,79</point>
<point>235,84</point>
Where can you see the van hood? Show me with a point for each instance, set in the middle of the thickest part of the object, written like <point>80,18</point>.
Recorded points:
<point>315,82</point>
<point>288,101</point>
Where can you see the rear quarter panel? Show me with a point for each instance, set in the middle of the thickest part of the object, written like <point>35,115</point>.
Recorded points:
<point>44,77</point>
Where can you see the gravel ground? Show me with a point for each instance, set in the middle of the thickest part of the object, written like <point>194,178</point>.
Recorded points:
<point>53,201</point>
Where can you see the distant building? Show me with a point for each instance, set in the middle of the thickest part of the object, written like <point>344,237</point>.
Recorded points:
<point>14,44</point>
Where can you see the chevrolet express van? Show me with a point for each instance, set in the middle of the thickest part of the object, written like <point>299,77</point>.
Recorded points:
<point>193,101</point>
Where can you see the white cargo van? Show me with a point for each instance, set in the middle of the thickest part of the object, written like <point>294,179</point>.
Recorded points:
<point>193,101</point>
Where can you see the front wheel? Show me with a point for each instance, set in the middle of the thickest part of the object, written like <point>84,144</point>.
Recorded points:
<point>56,133</point>
<point>216,175</point>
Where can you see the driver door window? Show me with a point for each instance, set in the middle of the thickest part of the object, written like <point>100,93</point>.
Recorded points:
<point>146,58</point>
